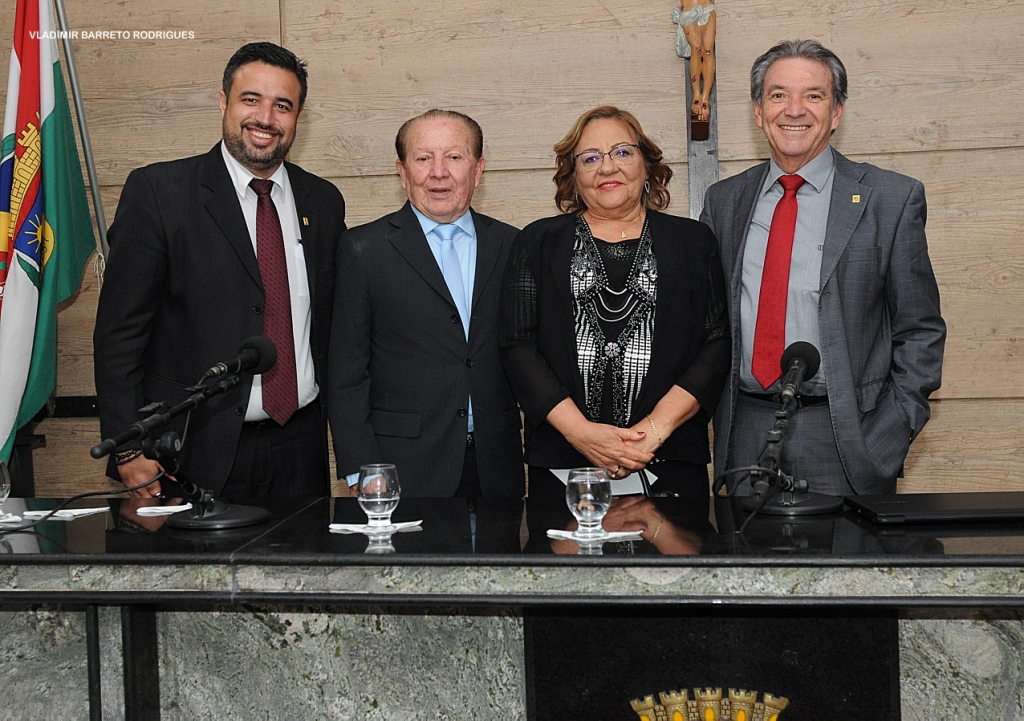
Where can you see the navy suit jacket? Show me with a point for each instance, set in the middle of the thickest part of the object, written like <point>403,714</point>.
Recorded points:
<point>402,369</point>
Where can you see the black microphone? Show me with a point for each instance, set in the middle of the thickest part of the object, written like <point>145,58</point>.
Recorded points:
<point>799,362</point>
<point>256,355</point>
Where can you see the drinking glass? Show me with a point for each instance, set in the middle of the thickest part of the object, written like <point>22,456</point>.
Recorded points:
<point>379,544</point>
<point>588,494</point>
<point>378,493</point>
<point>5,484</point>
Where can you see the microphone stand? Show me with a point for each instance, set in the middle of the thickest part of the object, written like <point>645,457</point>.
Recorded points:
<point>207,513</point>
<point>768,478</point>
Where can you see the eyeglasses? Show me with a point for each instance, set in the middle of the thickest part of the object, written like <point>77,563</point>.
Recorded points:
<point>623,156</point>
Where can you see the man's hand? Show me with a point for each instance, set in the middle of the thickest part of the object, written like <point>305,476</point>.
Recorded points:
<point>138,471</point>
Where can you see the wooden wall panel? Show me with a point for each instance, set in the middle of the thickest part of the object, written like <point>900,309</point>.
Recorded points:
<point>969,445</point>
<point>936,92</point>
<point>524,70</point>
<point>913,66</point>
<point>153,100</point>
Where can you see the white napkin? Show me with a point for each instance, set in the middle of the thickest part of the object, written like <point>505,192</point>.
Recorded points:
<point>628,486</point>
<point>9,518</point>
<point>65,514</point>
<point>607,536</point>
<point>161,510</point>
<point>374,530</point>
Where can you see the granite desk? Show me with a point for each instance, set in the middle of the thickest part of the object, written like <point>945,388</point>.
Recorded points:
<point>479,615</point>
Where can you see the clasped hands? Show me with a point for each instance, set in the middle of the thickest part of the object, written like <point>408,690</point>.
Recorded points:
<point>620,450</point>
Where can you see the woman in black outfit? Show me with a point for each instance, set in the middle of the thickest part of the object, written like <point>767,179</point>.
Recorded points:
<point>614,329</point>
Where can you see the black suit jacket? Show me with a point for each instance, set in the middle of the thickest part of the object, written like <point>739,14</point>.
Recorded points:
<point>402,369</point>
<point>539,333</point>
<point>182,290</point>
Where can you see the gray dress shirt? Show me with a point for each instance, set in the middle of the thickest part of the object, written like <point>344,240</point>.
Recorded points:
<point>813,199</point>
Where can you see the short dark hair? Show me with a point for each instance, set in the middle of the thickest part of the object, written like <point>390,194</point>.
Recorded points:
<point>268,54</point>
<point>808,49</point>
<point>658,173</point>
<point>476,134</point>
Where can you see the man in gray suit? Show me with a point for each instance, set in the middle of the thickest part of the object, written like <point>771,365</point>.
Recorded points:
<point>847,271</point>
<point>415,375</point>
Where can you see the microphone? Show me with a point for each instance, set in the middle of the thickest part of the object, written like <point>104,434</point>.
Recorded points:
<point>799,362</point>
<point>256,355</point>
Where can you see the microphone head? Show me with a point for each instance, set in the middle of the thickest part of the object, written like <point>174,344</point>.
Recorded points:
<point>265,351</point>
<point>805,352</point>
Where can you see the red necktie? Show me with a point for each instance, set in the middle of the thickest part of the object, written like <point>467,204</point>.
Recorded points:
<point>280,387</point>
<point>770,331</point>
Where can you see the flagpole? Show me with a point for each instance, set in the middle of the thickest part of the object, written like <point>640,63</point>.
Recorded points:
<point>90,165</point>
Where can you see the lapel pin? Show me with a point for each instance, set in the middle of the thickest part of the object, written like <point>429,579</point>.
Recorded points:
<point>855,199</point>
<point>305,220</point>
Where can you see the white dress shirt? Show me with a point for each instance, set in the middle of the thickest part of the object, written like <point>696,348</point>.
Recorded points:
<point>298,285</point>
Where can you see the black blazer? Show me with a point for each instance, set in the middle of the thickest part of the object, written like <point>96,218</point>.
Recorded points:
<point>402,369</point>
<point>538,336</point>
<point>182,290</point>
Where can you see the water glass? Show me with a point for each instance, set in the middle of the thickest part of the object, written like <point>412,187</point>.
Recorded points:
<point>588,494</point>
<point>5,484</point>
<point>378,493</point>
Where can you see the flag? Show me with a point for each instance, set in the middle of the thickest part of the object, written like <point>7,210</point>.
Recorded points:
<point>46,233</point>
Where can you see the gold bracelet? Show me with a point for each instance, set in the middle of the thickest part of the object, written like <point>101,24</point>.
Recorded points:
<point>660,442</point>
<point>657,530</point>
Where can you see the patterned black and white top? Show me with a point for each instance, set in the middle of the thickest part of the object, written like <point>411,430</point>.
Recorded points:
<point>614,288</point>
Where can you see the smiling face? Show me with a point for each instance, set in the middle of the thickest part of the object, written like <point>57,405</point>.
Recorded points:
<point>797,112</point>
<point>608,190</point>
<point>260,116</point>
<point>440,171</point>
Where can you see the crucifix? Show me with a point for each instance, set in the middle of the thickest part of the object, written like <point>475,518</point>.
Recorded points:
<point>695,41</point>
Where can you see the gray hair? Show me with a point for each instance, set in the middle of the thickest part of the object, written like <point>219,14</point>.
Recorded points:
<point>476,135</point>
<point>809,49</point>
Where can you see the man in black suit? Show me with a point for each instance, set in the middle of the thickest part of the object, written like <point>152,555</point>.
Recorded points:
<point>206,252</point>
<point>415,375</point>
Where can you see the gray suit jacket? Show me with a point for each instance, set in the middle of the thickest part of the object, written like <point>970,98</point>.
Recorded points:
<point>882,335</point>
<point>402,369</point>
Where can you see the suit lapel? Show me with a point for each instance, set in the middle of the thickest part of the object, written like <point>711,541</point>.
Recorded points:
<point>408,239</point>
<point>735,241</point>
<point>221,202</point>
<point>843,214</point>
<point>487,251</point>
<point>307,224</point>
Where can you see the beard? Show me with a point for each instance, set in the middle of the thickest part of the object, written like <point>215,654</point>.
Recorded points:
<point>256,161</point>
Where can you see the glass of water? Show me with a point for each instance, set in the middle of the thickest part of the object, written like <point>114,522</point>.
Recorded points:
<point>588,494</point>
<point>378,493</point>
<point>5,484</point>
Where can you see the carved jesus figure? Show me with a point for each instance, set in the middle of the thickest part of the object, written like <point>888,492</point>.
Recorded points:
<point>697,24</point>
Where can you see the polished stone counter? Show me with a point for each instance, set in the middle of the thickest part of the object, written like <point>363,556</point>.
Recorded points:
<point>475,615</point>
<point>497,553</point>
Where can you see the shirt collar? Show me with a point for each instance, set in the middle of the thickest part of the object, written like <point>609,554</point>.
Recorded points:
<point>465,222</point>
<point>816,173</point>
<point>241,175</point>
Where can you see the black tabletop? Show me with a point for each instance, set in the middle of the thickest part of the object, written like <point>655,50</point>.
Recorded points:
<point>458,531</point>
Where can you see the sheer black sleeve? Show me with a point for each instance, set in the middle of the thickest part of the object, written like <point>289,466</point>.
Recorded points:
<point>534,382</point>
<point>705,377</point>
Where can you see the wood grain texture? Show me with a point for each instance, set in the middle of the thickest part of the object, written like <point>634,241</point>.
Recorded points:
<point>525,70</point>
<point>935,92</point>
<point>969,445</point>
<point>152,100</point>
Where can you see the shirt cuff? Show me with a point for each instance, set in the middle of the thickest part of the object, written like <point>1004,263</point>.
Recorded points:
<point>352,479</point>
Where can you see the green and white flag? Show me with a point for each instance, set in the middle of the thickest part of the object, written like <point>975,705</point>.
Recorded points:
<point>46,233</point>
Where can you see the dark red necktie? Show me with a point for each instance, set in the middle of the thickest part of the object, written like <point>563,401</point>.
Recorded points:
<point>770,331</point>
<point>280,387</point>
